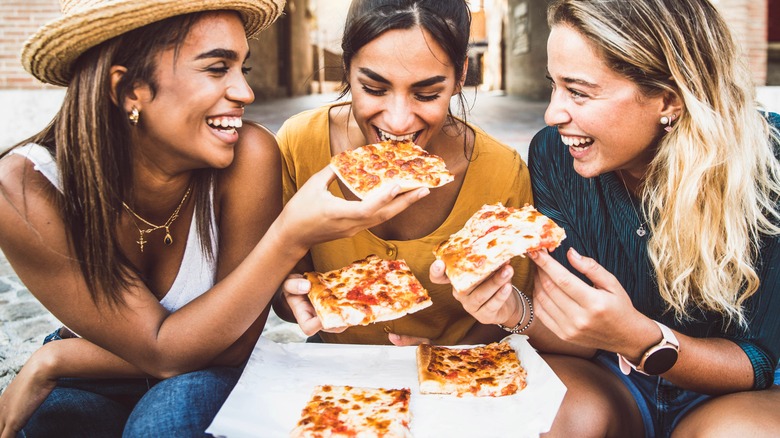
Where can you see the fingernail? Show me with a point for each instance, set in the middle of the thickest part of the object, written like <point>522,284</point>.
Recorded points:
<point>575,254</point>
<point>423,193</point>
<point>505,273</point>
<point>395,190</point>
<point>304,286</point>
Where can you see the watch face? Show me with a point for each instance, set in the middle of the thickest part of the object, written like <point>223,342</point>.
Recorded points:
<point>660,360</point>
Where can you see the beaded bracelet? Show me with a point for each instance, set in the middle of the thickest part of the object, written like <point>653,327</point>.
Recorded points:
<point>517,329</point>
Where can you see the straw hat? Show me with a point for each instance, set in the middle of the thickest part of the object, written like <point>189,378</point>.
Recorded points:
<point>49,54</point>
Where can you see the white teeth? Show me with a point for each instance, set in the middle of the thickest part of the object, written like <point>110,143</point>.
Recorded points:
<point>385,136</point>
<point>225,122</point>
<point>576,141</point>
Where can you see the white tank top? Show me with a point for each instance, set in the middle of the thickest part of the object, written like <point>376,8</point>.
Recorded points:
<point>197,272</point>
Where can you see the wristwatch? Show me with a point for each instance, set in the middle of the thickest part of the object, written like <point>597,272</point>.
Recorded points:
<point>658,359</point>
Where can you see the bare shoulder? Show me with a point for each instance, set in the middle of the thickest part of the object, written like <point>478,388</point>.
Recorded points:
<point>256,141</point>
<point>257,158</point>
<point>32,231</point>
<point>26,194</point>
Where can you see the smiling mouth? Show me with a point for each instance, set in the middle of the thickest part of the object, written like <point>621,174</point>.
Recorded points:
<point>577,143</point>
<point>386,136</point>
<point>225,124</point>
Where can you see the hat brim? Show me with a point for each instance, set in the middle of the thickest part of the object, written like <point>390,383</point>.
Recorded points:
<point>49,54</point>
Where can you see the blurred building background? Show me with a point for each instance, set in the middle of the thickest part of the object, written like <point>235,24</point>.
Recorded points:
<point>300,54</point>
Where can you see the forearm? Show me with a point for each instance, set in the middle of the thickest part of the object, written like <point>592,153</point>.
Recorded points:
<point>711,366</point>
<point>238,353</point>
<point>239,297</point>
<point>76,357</point>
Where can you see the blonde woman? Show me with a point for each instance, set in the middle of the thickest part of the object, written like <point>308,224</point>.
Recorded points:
<point>145,218</point>
<point>665,175</point>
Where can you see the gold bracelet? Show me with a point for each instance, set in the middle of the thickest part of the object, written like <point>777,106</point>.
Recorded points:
<point>517,329</point>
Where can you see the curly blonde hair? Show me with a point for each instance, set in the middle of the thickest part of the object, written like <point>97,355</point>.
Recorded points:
<point>712,189</point>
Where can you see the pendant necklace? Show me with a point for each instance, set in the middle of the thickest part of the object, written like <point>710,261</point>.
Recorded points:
<point>168,239</point>
<point>641,230</point>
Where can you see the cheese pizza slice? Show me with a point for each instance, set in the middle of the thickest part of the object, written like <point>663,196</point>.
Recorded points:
<point>491,237</point>
<point>370,167</point>
<point>366,291</point>
<point>346,411</point>
<point>492,370</point>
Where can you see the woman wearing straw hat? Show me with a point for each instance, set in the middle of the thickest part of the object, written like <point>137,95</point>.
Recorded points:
<point>144,217</point>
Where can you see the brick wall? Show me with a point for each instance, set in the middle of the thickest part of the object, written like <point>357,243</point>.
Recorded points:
<point>18,20</point>
<point>748,21</point>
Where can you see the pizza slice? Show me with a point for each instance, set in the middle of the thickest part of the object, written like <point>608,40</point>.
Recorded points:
<point>492,370</point>
<point>366,291</point>
<point>346,411</point>
<point>370,167</point>
<point>491,237</point>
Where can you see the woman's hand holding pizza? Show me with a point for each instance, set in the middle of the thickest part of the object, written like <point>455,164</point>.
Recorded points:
<point>489,302</point>
<point>295,290</point>
<point>598,316</point>
<point>314,215</point>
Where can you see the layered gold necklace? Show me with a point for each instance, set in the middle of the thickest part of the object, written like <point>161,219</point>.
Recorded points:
<point>168,239</point>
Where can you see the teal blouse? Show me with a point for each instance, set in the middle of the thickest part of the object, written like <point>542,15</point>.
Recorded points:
<point>601,223</point>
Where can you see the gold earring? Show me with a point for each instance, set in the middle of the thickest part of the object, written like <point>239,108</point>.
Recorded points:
<point>133,116</point>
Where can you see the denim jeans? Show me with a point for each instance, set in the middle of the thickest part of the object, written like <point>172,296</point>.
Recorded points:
<point>661,403</point>
<point>181,406</point>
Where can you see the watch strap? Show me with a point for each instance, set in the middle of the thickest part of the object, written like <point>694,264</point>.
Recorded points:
<point>668,338</point>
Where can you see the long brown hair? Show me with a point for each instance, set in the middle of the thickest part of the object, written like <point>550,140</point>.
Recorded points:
<point>90,138</point>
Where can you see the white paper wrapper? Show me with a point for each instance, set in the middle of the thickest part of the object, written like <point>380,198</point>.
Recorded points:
<point>279,378</point>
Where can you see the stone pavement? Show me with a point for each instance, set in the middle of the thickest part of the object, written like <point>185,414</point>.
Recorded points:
<point>24,322</point>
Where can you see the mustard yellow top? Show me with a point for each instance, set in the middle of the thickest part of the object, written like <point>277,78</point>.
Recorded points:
<point>496,173</point>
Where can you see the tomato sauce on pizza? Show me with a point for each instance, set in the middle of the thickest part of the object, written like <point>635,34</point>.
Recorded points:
<point>347,411</point>
<point>492,370</point>
<point>366,291</point>
<point>491,237</point>
<point>370,167</point>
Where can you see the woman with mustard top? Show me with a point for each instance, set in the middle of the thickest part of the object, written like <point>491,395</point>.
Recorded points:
<point>403,62</point>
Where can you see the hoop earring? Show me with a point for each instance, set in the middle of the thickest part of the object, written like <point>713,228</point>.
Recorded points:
<point>668,120</point>
<point>133,116</point>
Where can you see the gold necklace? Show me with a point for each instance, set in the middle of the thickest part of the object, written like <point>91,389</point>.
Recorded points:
<point>168,240</point>
<point>641,230</point>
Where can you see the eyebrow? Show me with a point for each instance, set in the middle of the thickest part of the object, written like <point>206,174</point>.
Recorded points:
<point>419,84</point>
<point>231,55</point>
<point>581,82</point>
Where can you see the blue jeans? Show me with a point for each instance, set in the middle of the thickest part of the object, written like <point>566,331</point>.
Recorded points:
<point>661,403</point>
<point>181,406</point>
